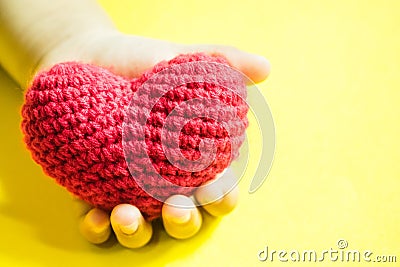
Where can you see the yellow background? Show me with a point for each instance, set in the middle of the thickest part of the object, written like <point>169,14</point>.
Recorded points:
<point>334,92</point>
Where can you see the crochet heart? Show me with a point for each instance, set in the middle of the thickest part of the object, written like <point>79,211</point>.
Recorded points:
<point>107,139</point>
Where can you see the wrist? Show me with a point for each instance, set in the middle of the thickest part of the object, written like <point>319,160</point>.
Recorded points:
<point>29,36</point>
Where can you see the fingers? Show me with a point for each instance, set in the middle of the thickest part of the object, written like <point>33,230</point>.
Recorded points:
<point>95,226</point>
<point>219,197</point>
<point>130,228</point>
<point>180,216</point>
<point>256,67</point>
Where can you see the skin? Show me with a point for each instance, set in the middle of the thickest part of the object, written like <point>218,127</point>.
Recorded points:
<point>97,41</point>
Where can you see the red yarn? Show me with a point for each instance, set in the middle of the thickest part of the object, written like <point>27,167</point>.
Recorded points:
<point>73,121</point>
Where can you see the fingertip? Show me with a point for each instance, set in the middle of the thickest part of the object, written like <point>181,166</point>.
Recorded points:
<point>130,228</point>
<point>178,209</point>
<point>127,217</point>
<point>177,215</point>
<point>181,218</point>
<point>219,197</point>
<point>255,67</point>
<point>95,226</point>
<point>260,69</point>
<point>209,193</point>
<point>225,205</point>
<point>215,190</point>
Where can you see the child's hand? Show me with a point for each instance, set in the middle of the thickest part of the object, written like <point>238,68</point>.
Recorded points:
<point>129,56</point>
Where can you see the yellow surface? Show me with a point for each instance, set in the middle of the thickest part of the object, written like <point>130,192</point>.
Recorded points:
<point>335,95</point>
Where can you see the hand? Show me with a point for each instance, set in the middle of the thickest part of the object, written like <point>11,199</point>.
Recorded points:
<point>129,56</point>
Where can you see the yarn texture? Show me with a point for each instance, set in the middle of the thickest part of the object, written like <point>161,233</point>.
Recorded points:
<point>81,126</point>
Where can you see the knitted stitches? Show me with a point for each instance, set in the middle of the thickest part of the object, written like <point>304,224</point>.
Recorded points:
<point>80,126</point>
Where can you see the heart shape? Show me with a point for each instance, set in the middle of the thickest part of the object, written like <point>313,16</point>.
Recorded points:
<point>106,139</point>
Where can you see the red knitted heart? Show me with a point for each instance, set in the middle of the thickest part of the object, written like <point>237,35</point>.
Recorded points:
<point>81,123</point>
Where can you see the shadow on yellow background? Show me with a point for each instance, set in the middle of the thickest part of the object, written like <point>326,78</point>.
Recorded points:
<point>334,93</point>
